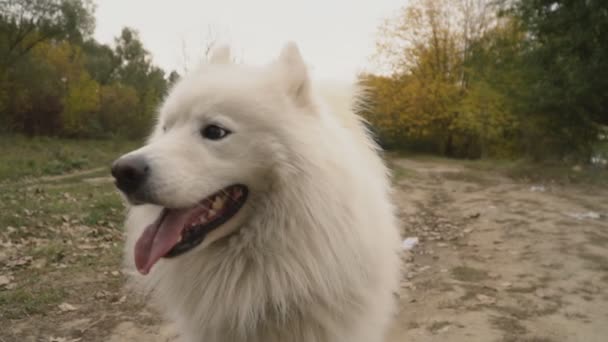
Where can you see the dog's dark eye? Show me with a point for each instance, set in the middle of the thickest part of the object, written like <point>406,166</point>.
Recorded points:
<point>214,132</point>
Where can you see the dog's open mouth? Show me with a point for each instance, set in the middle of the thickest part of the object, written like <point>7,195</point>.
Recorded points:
<point>177,231</point>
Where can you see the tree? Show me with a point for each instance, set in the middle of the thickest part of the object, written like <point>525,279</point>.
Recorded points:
<point>136,70</point>
<point>567,59</point>
<point>26,23</point>
<point>118,108</point>
<point>101,62</point>
<point>424,49</point>
<point>173,78</point>
<point>448,75</point>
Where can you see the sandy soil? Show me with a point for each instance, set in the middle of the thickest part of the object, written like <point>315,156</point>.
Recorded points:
<point>501,261</point>
<point>498,260</point>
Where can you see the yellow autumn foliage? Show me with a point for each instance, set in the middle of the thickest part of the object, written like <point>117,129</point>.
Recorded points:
<point>431,98</point>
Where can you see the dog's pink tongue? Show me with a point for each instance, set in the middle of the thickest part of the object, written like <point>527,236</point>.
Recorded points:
<point>158,239</point>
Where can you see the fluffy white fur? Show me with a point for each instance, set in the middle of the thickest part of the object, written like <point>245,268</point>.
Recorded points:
<point>312,256</point>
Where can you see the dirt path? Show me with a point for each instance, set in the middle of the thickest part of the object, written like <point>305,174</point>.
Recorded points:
<point>84,174</point>
<point>500,261</point>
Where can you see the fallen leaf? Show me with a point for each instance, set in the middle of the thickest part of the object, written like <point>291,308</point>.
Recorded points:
<point>66,307</point>
<point>485,299</point>
<point>474,215</point>
<point>444,329</point>
<point>101,294</point>
<point>22,261</point>
<point>121,300</point>
<point>5,280</point>
<point>424,268</point>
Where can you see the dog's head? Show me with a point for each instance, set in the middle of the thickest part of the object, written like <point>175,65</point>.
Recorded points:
<point>217,144</point>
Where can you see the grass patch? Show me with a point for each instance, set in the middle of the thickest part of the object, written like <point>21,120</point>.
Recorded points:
<point>401,173</point>
<point>422,157</point>
<point>525,170</point>
<point>54,251</point>
<point>41,207</point>
<point>29,300</point>
<point>544,172</point>
<point>467,177</point>
<point>67,227</point>
<point>73,229</point>
<point>33,157</point>
<point>398,172</point>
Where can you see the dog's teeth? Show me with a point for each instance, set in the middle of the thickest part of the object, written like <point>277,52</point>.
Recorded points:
<point>218,203</point>
<point>212,213</point>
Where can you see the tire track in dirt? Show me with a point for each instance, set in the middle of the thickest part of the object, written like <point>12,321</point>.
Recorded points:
<point>45,180</point>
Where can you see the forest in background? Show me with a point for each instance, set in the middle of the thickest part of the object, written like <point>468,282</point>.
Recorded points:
<point>462,78</point>
<point>56,80</point>
<point>487,78</point>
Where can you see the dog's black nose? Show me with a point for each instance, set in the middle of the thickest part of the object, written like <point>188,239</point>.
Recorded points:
<point>130,173</point>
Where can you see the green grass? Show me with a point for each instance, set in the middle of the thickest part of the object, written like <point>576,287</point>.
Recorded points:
<point>545,172</point>
<point>29,300</point>
<point>524,170</point>
<point>68,227</point>
<point>33,157</point>
<point>399,173</point>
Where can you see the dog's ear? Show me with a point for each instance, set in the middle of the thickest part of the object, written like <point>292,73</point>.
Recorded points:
<point>220,55</point>
<point>294,75</point>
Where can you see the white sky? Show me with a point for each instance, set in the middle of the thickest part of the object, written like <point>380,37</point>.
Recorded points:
<point>336,37</point>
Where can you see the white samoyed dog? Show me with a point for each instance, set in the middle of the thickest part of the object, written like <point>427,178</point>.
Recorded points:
<point>259,213</point>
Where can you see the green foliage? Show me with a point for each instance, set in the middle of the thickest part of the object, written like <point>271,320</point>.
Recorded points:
<point>566,60</point>
<point>26,23</point>
<point>502,79</point>
<point>55,80</point>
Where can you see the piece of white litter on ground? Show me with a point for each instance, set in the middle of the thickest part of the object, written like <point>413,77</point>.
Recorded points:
<point>537,188</point>
<point>409,243</point>
<point>66,307</point>
<point>588,215</point>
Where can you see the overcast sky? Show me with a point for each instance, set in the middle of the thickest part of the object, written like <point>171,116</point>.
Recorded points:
<point>336,37</point>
